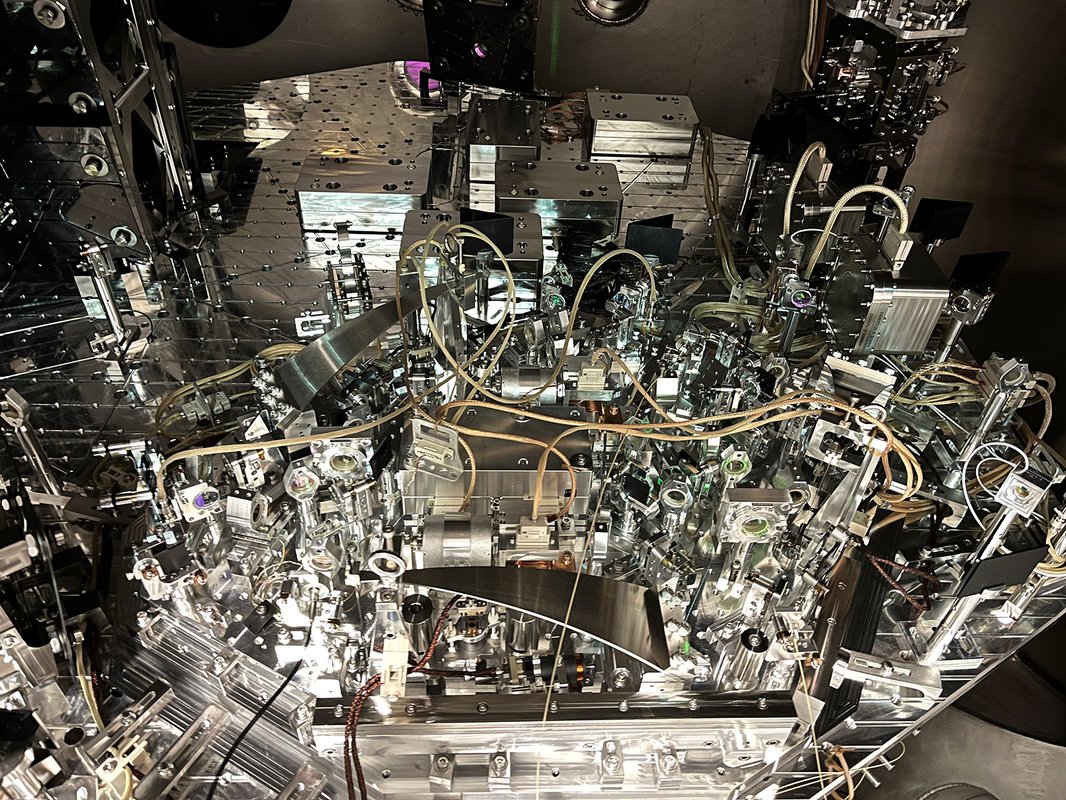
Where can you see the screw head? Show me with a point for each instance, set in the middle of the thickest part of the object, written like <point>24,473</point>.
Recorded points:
<point>442,763</point>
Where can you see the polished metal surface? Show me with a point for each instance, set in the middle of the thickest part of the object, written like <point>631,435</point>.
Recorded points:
<point>501,130</point>
<point>624,616</point>
<point>263,271</point>
<point>561,191</point>
<point>304,376</point>
<point>368,191</point>
<point>994,763</point>
<point>564,752</point>
<point>635,125</point>
<point>689,519</point>
<point>527,254</point>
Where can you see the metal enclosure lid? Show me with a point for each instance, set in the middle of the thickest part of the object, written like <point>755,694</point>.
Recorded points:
<point>368,191</point>
<point>558,190</point>
<point>640,125</point>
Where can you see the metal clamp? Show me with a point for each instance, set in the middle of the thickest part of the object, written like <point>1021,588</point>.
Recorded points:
<point>867,668</point>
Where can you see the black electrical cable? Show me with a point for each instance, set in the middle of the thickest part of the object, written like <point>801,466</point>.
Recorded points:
<point>151,322</point>
<point>251,724</point>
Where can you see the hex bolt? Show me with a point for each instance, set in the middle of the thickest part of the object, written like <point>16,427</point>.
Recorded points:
<point>93,166</point>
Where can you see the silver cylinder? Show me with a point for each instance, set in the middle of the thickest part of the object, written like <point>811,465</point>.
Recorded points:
<point>473,634</point>
<point>949,628</point>
<point>523,632</point>
<point>516,382</point>
<point>1007,385</point>
<point>457,540</point>
<point>951,337</point>
<point>417,613</point>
